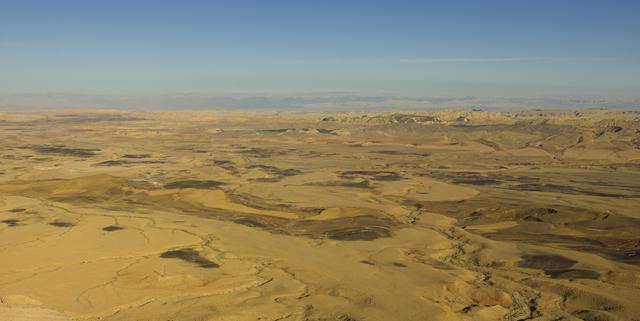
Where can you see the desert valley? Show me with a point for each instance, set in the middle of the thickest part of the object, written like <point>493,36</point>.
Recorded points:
<point>264,215</point>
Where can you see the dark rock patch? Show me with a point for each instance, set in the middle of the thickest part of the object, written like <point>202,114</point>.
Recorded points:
<point>325,131</point>
<point>61,224</point>
<point>531,218</point>
<point>249,222</point>
<point>136,156</point>
<point>344,317</point>
<point>476,181</point>
<point>557,267</point>
<point>122,162</point>
<point>354,184</point>
<point>365,233</point>
<point>373,175</point>
<point>208,184</point>
<point>267,179</point>
<point>399,153</point>
<point>10,222</point>
<point>112,228</point>
<point>221,162</point>
<point>226,165</point>
<point>546,262</point>
<point>190,255</point>
<point>469,308</point>
<point>113,163</point>
<point>554,188</point>
<point>572,274</point>
<point>588,315</point>
<point>276,171</point>
<point>273,131</point>
<point>536,214</point>
<point>65,151</point>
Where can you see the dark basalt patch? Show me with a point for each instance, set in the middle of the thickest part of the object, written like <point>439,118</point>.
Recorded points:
<point>469,308</point>
<point>208,184</point>
<point>530,218</point>
<point>221,162</point>
<point>399,264</point>
<point>476,181</point>
<point>571,274</point>
<point>373,175</point>
<point>17,210</point>
<point>190,255</point>
<point>113,163</point>
<point>256,202</point>
<point>122,162</point>
<point>10,222</point>
<point>554,188</point>
<point>360,184</point>
<point>61,224</point>
<point>589,315</point>
<point>534,214</point>
<point>557,267</point>
<point>610,129</point>
<point>367,262</point>
<point>226,165</point>
<point>249,222</point>
<point>399,153</point>
<point>362,228</point>
<point>112,228</point>
<point>609,234</point>
<point>546,262</point>
<point>136,156</point>
<point>325,131</point>
<point>267,179</point>
<point>277,171</point>
<point>273,131</point>
<point>364,233</point>
<point>65,151</point>
<point>344,317</point>
<point>365,227</point>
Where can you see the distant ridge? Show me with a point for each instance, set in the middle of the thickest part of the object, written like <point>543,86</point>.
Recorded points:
<point>330,101</point>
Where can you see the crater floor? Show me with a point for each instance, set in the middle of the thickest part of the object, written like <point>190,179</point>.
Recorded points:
<point>243,215</point>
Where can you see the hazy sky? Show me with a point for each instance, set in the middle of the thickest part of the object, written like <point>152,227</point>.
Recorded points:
<point>424,48</point>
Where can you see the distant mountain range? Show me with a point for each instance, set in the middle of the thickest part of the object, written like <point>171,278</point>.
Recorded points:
<point>305,102</point>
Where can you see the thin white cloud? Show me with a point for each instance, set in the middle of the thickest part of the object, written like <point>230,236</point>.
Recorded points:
<point>463,60</point>
<point>485,60</point>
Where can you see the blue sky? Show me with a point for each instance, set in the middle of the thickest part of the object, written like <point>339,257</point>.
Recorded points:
<point>420,48</point>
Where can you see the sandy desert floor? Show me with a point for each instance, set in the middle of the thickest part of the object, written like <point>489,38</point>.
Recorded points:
<point>259,215</point>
